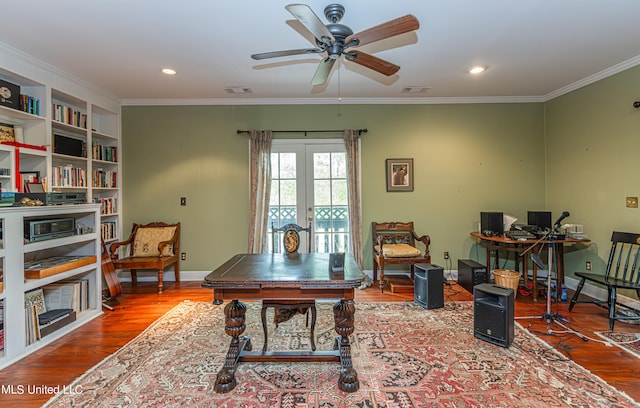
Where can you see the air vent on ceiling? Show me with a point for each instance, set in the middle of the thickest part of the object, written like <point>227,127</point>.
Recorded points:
<point>238,90</point>
<point>415,89</point>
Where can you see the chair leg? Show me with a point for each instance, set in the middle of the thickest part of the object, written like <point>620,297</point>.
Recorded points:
<point>612,307</point>
<point>313,326</point>
<point>159,282</point>
<point>263,315</point>
<point>134,276</point>
<point>574,299</point>
<point>176,268</point>
<point>381,283</point>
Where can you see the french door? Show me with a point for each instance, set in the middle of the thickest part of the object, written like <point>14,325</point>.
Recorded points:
<point>309,185</point>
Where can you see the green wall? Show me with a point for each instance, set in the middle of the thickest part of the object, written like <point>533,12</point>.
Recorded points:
<point>593,139</point>
<point>468,158</point>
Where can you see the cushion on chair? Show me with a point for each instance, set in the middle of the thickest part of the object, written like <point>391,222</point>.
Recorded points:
<point>147,240</point>
<point>398,250</point>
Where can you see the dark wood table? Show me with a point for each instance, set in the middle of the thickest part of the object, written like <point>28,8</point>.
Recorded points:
<point>501,243</point>
<point>285,276</point>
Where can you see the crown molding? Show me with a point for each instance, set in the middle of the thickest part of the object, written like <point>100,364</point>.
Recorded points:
<point>333,101</point>
<point>616,69</point>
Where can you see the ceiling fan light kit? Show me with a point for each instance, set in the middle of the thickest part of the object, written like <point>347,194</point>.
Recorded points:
<point>334,39</point>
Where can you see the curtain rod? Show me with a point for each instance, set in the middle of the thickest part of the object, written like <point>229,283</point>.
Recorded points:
<point>360,131</point>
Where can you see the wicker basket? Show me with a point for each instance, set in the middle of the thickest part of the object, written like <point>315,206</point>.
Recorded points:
<point>507,279</point>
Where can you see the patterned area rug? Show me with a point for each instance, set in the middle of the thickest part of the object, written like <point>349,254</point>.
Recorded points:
<point>629,342</point>
<point>406,356</point>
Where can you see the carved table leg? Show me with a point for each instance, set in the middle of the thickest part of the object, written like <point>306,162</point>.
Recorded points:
<point>343,312</point>
<point>234,313</point>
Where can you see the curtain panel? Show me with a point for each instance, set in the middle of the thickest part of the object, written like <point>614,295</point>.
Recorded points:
<point>260,173</point>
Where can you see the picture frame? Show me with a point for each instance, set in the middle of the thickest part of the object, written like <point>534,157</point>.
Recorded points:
<point>399,175</point>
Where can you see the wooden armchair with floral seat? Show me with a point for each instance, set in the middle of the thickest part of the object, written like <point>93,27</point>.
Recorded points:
<point>395,243</point>
<point>151,246</point>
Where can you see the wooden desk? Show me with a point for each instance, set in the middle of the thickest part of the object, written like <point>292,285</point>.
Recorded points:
<point>502,243</point>
<point>284,276</point>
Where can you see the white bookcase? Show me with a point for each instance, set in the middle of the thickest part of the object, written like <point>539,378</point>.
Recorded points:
<point>72,110</point>
<point>16,250</point>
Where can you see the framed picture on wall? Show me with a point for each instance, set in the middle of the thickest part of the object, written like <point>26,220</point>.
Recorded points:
<point>399,174</point>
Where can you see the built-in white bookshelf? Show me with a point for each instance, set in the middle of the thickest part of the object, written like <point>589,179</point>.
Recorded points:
<point>21,248</point>
<point>74,112</point>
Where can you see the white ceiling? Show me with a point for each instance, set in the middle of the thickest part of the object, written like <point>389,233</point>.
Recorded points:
<point>534,48</point>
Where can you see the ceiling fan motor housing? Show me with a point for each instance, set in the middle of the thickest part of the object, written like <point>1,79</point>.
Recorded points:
<point>334,12</point>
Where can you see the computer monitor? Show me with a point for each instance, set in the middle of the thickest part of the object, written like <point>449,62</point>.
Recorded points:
<point>541,219</point>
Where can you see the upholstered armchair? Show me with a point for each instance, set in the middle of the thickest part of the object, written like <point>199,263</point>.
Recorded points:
<point>151,246</point>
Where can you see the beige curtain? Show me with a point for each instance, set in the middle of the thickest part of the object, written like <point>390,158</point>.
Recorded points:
<point>352,145</point>
<point>260,156</point>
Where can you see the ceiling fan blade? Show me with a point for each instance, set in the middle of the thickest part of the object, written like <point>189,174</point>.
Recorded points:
<point>391,28</point>
<point>275,54</point>
<point>311,21</point>
<point>374,63</point>
<point>323,71</point>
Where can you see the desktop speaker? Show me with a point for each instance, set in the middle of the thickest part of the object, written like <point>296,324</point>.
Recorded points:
<point>470,274</point>
<point>429,285</point>
<point>493,314</point>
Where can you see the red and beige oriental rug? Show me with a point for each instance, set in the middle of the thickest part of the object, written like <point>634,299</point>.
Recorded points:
<point>405,356</point>
<point>629,342</point>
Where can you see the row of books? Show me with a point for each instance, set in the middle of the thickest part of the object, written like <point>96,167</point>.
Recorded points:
<point>108,205</point>
<point>105,153</point>
<point>109,230</point>
<point>105,179</point>
<point>68,115</point>
<point>69,176</point>
<point>29,104</point>
<point>53,306</point>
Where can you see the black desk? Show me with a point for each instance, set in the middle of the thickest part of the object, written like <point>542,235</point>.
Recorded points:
<point>285,276</point>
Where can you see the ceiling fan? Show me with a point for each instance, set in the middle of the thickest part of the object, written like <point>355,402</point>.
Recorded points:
<point>334,39</point>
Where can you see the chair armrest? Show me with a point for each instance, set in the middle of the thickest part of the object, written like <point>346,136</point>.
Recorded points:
<point>113,248</point>
<point>425,239</point>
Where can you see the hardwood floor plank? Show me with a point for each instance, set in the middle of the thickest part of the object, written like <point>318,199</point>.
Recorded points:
<point>61,362</point>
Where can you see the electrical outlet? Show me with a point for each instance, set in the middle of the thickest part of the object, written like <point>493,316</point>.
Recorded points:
<point>588,265</point>
<point>183,201</point>
<point>446,255</point>
<point>183,256</point>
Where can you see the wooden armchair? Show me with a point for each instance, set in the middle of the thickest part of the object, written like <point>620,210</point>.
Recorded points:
<point>151,246</point>
<point>395,243</point>
<point>622,272</point>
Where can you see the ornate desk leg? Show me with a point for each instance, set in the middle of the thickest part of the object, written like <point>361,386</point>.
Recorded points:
<point>343,312</point>
<point>234,326</point>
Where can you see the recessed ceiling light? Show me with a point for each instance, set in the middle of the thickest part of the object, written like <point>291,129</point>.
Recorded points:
<point>477,69</point>
<point>168,71</point>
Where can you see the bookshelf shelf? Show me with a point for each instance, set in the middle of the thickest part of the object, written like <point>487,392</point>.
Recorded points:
<point>22,337</point>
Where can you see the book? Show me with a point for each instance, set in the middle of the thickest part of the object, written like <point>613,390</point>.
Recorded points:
<point>57,324</point>
<point>52,316</point>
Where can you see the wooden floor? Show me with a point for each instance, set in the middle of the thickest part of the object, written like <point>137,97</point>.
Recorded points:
<point>64,360</point>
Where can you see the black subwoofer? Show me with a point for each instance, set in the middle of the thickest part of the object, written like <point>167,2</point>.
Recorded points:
<point>493,314</point>
<point>428,288</point>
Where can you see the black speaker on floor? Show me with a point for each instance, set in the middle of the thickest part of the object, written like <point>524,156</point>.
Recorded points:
<point>471,273</point>
<point>428,288</point>
<point>493,314</point>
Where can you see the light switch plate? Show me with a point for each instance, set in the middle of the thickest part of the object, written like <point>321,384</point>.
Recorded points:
<point>632,202</point>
